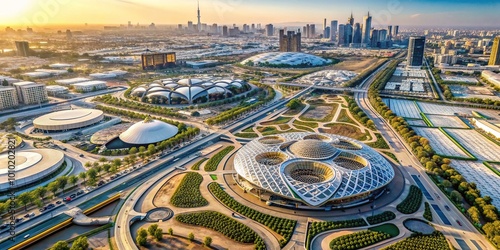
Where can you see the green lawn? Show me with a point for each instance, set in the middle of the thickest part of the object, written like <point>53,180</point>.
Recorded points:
<point>380,143</point>
<point>386,228</point>
<point>307,124</point>
<point>246,135</point>
<point>344,117</point>
<point>279,120</point>
<point>213,176</point>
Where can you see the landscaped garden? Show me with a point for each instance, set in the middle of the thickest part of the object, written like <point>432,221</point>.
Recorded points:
<point>188,192</point>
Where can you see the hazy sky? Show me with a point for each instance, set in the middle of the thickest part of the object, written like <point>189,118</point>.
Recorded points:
<point>403,12</point>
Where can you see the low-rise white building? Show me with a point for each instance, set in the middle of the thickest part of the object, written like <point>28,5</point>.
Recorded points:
<point>55,90</point>
<point>492,77</point>
<point>72,81</point>
<point>90,86</point>
<point>487,127</point>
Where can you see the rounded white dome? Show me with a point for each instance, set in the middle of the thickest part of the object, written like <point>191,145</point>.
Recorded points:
<point>148,132</point>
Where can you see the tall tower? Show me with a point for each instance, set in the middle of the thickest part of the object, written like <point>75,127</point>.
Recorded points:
<point>495,52</point>
<point>416,48</point>
<point>350,20</point>
<point>199,17</point>
<point>367,26</point>
<point>333,30</point>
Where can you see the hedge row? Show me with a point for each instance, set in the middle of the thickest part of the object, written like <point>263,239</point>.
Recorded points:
<point>188,192</point>
<point>197,165</point>
<point>281,226</point>
<point>319,227</point>
<point>382,217</point>
<point>223,224</point>
<point>412,202</point>
<point>217,158</point>
<point>358,240</point>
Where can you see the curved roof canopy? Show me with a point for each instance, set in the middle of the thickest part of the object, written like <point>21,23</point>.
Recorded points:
<point>148,132</point>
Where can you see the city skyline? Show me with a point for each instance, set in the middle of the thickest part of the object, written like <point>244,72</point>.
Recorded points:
<point>423,13</point>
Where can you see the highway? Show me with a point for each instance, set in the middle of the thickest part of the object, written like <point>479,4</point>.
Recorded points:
<point>414,171</point>
<point>134,179</point>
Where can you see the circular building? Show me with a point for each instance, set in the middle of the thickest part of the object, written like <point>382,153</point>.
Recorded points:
<point>316,170</point>
<point>190,91</point>
<point>285,59</point>
<point>68,120</point>
<point>143,133</point>
<point>30,166</point>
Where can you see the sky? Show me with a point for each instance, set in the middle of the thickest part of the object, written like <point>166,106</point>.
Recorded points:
<point>427,13</point>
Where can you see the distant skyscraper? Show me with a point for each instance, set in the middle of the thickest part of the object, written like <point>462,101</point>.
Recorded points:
<point>356,36</point>
<point>326,33</point>
<point>225,31</point>
<point>396,30</point>
<point>190,26</point>
<point>312,30</point>
<point>324,29</point>
<point>367,26</point>
<point>253,27</point>
<point>308,31</point>
<point>269,30</point>
<point>23,48</point>
<point>350,20</point>
<point>333,30</point>
<point>291,42</point>
<point>382,35</point>
<point>374,40</point>
<point>389,28</point>
<point>348,30</point>
<point>341,34</point>
<point>199,17</point>
<point>416,48</point>
<point>495,52</point>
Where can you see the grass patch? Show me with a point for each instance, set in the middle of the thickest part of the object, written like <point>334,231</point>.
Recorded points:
<point>428,212</point>
<point>248,130</point>
<point>346,130</point>
<point>382,217</point>
<point>279,120</point>
<point>307,124</point>
<point>197,165</point>
<point>391,155</point>
<point>412,202</point>
<point>214,177</point>
<point>303,128</point>
<point>358,240</point>
<point>380,143</point>
<point>217,158</point>
<point>436,241</point>
<point>292,112</point>
<point>316,227</point>
<point>284,127</point>
<point>314,112</point>
<point>344,117</point>
<point>389,228</point>
<point>188,193</point>
<point>246,135</point>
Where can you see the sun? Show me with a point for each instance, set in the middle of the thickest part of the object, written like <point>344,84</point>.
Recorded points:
<point>11,11</point>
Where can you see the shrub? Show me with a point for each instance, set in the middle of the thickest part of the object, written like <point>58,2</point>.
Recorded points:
<point>412,202</point>
<point>379,218</point>
<point>217,158</point>
<point>281,226</point>
<point>188,192</point>
<point>358,240</point>
<point>428,212</point>
<point>197,165</point>
<point>435,241</point>
<point>319,227</point>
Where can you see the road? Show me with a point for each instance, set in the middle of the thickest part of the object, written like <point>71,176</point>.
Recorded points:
<point>45,221</point>
<point>413,168</point>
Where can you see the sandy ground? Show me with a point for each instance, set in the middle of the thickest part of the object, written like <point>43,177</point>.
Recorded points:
<point>99,241</point>
<point>162,198</point>
<point>356,64</point>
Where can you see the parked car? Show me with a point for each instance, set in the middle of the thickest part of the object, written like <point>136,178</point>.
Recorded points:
<point>100,183</point>
<point>80,192</point>
<point>42,209</point>
<point>19,220</point>
<point>72,196</point>
<point>32,215</point>
<point>447,208</point>
<point>4,226</point>
<point>50,206</point>
<point>26,215</point>
<point>459,223</point>
<point>67,199</point>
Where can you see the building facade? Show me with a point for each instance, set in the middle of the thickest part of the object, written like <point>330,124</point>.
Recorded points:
<point>367,26</point>
<point>90,86</point>
<point>416,49</point>
<point>31,93</point>
<point>8,98</point>
<point>495,52</point>
<point>291,42</point>
<point>23,48</point>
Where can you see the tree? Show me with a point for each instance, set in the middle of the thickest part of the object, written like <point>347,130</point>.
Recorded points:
<point>152,229</point>
<point>142,149</point>
<point>62,182</point>
<point>117,162</point>
<point>190,236</point>
<point>24,199</point>
<point>95,164</point>
<point>73,179</point>
<point>5,83</point>
<point>83,175</point>
<point>81,243</point>
<point>158,234</point>
<point>53,187</point>
<point>88,164</point>
<point>141,241</point>
<point>456,196</point>
<point>103,159</point>
<point>40,192</point>
<point>207,241</point>
<point>60,245</point>
<point>446,183</point>
<point>132,150</point>
<point>142,232</point>
<point>170,231</point>
<point>92,173</point>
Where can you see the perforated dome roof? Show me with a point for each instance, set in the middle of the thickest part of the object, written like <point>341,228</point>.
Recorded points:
<point>148,132</point>
<point>313,149</point>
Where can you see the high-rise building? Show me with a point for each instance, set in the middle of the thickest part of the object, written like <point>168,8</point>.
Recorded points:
<point>382,35</point>
<point>246,28</point>
<point>341,34</point>
<point>8,98</point>
<point>199,17</point>
<point>333,30</point>
<point>396,30</point>
<point>269,30</point>
<point>190,26</point>
<point>312,30</point>
<point>374,38</point>
<point>23,48</point>
<point>324,29</point>
<point>389,28</point>
<point>225,31</point>
<point>291,42</point>
<point>356,36</point>
<point>495,52</point>
<point>350,20</point>
<point>31,93</point>
<point>326,33</point>
<point>367,26</point>
<point>348,30</point>
<point>308,31</point>
<point>214,28</point>
<point>179,26</point>
<point>253,27</point>
<point>416,49</point>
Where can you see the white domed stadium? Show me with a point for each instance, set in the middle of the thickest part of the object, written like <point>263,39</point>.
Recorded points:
<point>316,170</point>
<point>327,77</point>
<point>189,91</point>
<point>285,59</point>
<point>31,165</point>
<point>68,120</point>
<point>147,132</point>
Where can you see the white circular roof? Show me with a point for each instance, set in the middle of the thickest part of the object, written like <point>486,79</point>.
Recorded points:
<point>148,132</point>
<point>68,117</point>
<point>286,58</point>
<point>312,168</point>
